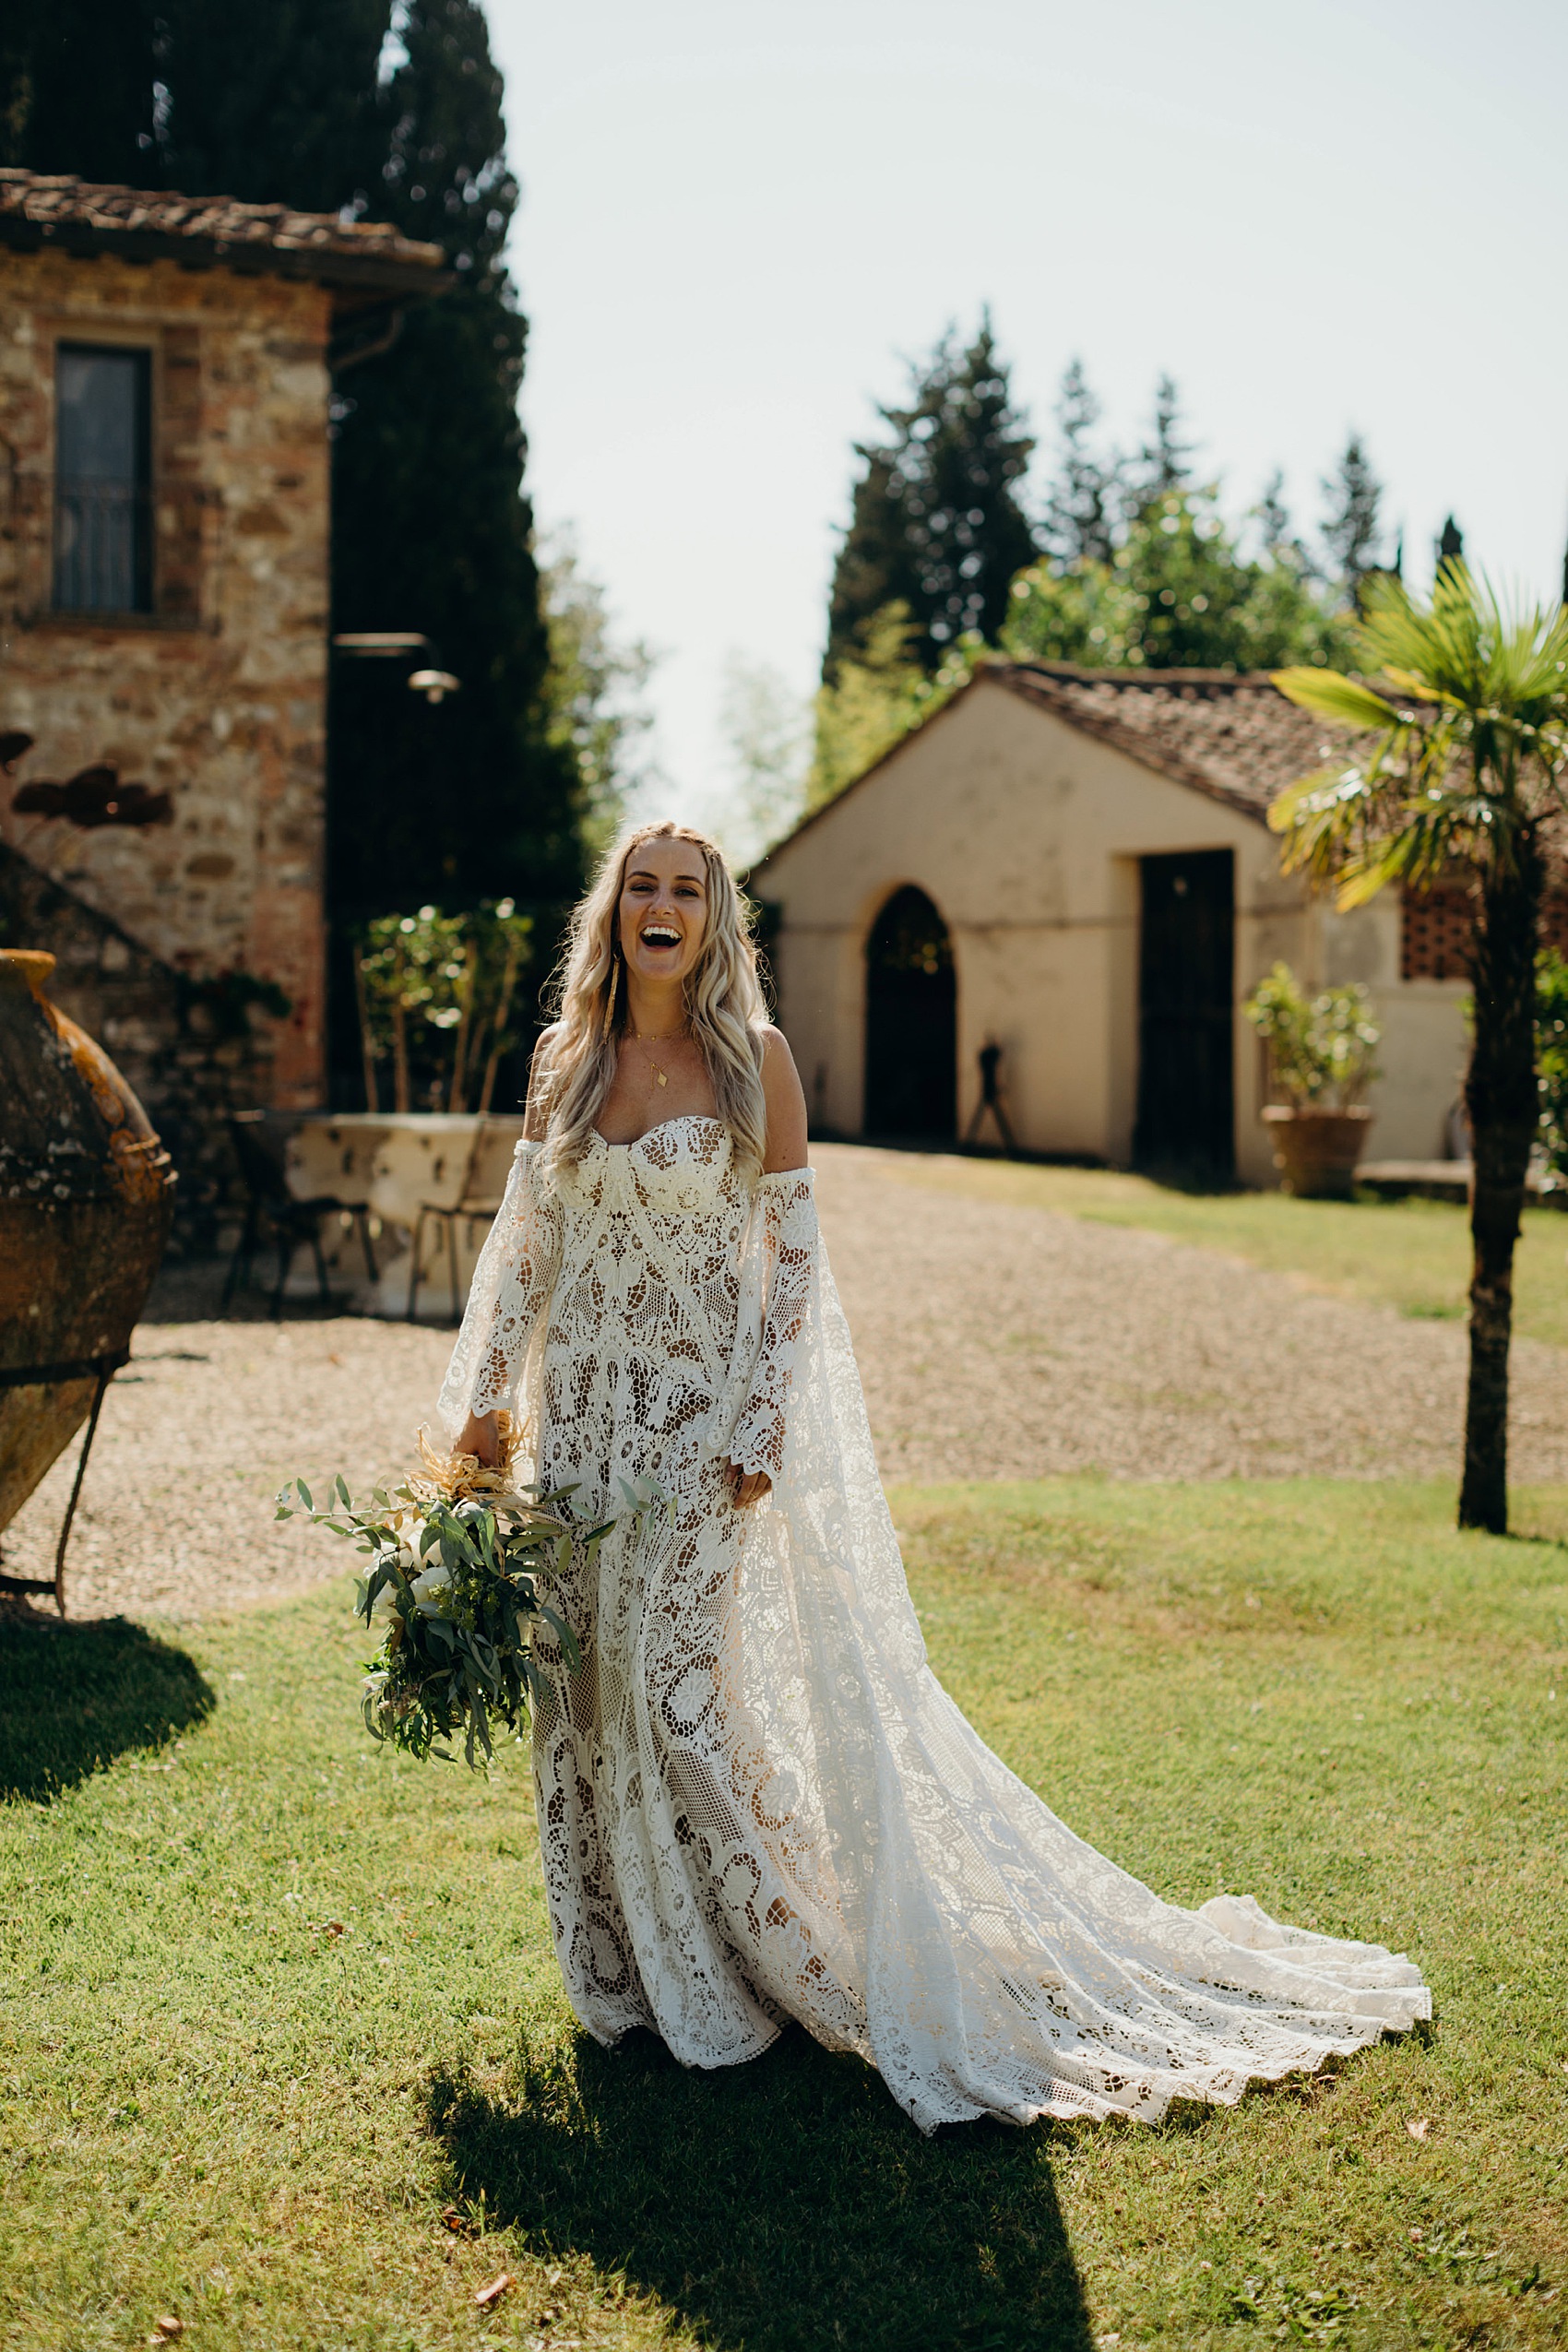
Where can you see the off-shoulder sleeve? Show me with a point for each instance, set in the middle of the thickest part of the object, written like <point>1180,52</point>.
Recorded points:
<point>509,1293</point>
<point>787,1206</point>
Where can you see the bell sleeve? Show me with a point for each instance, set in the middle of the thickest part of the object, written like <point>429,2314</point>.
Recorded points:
<point>787,1206</point>
<point>508,1298</point>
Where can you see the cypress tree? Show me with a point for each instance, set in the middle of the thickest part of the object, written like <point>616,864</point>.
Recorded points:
<point>432,531</point>
<point>309,102</point>
<point>936,524</point>
<point>76,89</point>
<point>270,103</point>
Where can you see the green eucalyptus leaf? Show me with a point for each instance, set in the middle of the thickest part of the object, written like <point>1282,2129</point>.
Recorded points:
<point>564,1634</point>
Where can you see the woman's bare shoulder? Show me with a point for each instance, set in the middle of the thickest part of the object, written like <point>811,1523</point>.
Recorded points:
<point>785,1103</point>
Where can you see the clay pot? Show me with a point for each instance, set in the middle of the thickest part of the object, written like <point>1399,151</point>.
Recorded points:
<point>85,1196</point>
<point>1316,1152</point>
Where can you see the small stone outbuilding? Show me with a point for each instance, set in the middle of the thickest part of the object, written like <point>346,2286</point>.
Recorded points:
<point>1076,866</point>
<point>166,371</point>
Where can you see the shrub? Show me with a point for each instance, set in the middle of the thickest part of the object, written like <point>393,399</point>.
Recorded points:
<point>1320,1047</point>
<point>1551,1056</point>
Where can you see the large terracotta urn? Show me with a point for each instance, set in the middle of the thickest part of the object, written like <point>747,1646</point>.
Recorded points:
<point>86,1196</point>
<point>1315,1151</point>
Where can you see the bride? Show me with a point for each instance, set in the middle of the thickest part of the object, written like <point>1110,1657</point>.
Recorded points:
<point>755,1801</point>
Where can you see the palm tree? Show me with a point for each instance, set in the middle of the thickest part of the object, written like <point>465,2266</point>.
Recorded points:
<point>1463,774</point>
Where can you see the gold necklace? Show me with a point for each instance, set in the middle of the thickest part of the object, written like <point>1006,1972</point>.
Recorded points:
<point>658,1037</point>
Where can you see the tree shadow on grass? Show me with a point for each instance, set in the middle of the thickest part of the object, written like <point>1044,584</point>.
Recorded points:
<point>75,1696</point>
<point>782,2206</point>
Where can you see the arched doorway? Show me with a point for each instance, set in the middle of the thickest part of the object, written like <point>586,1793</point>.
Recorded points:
<point>912,1021</point>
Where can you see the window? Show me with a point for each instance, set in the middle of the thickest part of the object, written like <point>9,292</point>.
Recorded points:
<point>102,480</point>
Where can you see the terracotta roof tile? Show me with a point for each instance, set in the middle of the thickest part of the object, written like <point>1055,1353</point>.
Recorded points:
<point>81,215</point>
<point>1234,737</point>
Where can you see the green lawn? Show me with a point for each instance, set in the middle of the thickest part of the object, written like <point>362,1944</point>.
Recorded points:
<point>274,2001</point>
<point>1411,1255</point>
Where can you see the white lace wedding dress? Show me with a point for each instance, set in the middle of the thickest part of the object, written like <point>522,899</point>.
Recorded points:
<point>755,1801</point>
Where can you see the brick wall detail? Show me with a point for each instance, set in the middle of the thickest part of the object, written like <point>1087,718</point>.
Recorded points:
<point>220,696</point>
<point>1435,924</point>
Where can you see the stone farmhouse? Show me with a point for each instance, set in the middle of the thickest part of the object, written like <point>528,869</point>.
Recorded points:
<point>1076,866</point>
<point>166,370</point>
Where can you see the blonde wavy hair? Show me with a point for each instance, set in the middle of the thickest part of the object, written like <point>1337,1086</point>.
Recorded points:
<point>724,1008</point>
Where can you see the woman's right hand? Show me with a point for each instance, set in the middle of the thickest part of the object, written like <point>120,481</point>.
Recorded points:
<point>481,1436</point>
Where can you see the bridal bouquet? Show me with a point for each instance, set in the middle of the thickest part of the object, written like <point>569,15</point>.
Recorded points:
<point>456,1559</point>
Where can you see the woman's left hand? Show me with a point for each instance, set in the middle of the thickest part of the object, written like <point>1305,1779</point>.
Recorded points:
<point>748,1486</point>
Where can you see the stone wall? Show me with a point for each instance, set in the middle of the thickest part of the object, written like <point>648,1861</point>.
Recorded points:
<point>193,1050</point>
<point>219,695</point>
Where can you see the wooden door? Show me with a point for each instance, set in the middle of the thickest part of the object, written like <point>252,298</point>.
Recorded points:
<point>1186,1119</point>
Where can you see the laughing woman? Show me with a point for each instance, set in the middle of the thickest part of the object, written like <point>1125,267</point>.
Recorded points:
<point>756,1802</point>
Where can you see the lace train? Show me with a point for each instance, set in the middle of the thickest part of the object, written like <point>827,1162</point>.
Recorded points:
<point>755,1801</point>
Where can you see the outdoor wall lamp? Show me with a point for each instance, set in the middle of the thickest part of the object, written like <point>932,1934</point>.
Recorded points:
<point>387,645</point>
<point>433,683</point>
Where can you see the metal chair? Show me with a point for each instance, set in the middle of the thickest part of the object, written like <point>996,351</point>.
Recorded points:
<point>273,1214</point>
<point>465,1207</point>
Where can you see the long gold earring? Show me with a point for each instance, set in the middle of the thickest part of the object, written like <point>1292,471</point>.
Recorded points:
<point>610,1000</point>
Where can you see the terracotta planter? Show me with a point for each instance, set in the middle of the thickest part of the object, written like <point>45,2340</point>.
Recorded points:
<point>1316,1152</point>
<point>85,1196</point>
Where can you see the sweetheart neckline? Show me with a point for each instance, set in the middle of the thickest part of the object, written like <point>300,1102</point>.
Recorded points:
<point>703,1118</point>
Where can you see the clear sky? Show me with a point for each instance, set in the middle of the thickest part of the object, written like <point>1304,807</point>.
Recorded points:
<point>739,220</point>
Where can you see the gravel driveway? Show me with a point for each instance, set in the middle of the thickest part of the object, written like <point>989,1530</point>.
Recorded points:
<point>994,1341</point>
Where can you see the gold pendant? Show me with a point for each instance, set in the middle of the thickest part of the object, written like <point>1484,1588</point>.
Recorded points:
<point>660,1075</point>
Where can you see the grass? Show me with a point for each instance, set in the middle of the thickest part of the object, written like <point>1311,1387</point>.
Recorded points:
<point>1411,1255</point>
<point>277,2004</point>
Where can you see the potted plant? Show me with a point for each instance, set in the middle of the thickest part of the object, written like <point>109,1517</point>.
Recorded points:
<point>1320,1053</point>
<point>1551,1064</point>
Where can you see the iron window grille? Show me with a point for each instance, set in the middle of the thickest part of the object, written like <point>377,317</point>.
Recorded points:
<point>102,478</point>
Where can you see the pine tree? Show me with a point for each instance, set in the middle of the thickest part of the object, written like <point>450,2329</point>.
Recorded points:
<point>1350,529</point>
<point>1273,515</point>
<point>936,524</point>
<point>1083,502</point>
<point>1450,543</point>
<point>1163,463</point>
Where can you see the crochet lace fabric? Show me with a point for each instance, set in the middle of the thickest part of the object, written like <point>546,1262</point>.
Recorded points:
<point>756,1802</point>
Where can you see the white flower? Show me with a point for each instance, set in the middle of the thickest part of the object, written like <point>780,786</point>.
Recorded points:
<point>431,1587</point>
<point>385,1601</point>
